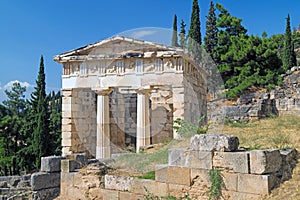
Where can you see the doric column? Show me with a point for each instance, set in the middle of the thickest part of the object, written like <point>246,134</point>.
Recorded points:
<point>103,131</point>
<point>143,119</point>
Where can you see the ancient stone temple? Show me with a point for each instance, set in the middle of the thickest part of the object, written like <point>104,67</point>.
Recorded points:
<point>123,92</point>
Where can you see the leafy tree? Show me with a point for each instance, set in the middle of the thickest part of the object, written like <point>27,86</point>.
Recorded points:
<point>289,56</point>
<point>211,36</point>
<point>194,40</point>
<point>182,37</point>
<point>174,33</point>
<point>40,107</point>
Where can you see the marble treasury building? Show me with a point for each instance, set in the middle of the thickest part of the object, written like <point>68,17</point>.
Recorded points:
<point>123,92</point>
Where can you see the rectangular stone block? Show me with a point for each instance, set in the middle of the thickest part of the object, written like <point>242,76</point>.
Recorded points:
<point>230,181</point>
<point>201,159</point>
<point>254,184</point>
<point>179,175</point>
<point>110,194</point>
<point>178,157</point>
<point>161,173</point>
<point>232,161</point>
<point>265,161</point>
<point>130,196</point>
<point>119,183</point>
<point>80,158</point>
<point>43,180</point>
<point>140,186</point>
<point>68,165</point>
<point>214,142</point>
<point>51,163</point>
<point>66,142</point>
<point>245,196</point>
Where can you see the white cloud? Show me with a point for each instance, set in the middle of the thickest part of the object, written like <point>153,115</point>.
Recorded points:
<point>142,33</point>
<point>23,84</point>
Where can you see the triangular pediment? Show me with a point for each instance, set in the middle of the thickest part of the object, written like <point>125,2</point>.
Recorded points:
<point>117,46</point>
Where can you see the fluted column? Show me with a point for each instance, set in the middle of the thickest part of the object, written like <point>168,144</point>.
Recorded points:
<point>103,130</point>
<point>143,119</point>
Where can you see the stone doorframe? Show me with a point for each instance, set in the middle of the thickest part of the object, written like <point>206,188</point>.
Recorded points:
<point>103,143</point>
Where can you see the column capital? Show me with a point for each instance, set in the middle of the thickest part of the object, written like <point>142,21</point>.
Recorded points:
<point>104,91</point>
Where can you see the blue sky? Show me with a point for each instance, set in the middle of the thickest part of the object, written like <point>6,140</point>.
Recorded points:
<point>31,28</point>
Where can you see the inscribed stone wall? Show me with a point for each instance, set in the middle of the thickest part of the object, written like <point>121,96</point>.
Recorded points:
<point>79,121</point>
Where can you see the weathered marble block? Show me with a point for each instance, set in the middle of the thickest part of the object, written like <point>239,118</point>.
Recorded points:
<point>232,161</point>
<point>51,163</point>
<point>119,183</point>
<point>179,157</point>
<point>214,142</point>
<point>44,180</point>
<point>265,161</point>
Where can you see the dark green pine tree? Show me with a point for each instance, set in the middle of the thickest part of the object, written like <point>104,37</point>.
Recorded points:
<point>182,37</point>
<point>194,36</point>
<point>40,132</point>
<point>55,104</point>
<point>211,35</point>
<point>289,56</point>
<point>174,33</point>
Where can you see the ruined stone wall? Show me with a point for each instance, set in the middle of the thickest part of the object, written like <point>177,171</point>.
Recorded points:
<point>284,99</point>
<point>161,114</point>
<point>245,174</point>
<point>79,121</point>
<point>287,96</point>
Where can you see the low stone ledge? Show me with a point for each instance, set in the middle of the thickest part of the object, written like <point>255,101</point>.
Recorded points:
<point>119,183</point>
<point>265,161</point>
<point>43,180</point>
<point>214,142</point>
<point>237,162</point>
<point>51,163</point>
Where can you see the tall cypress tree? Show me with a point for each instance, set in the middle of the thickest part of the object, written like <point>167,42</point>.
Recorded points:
<point>211,36</point>
<point>174,33</point>
<point>289,56</point>
<point>182,38</point>
<point>194,35</point>
<point>40,131</point>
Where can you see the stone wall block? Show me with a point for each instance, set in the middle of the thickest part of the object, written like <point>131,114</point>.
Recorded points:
<point>43,180</point>
<point>179,175</point>
<point>214,142</point>
<point>255,184</point>
<point>179,157</point>
<point>265,161</point>
<point>119,183</point>
<point>51,163</point>
<point>201,159</point>
<point>230,181</point>
<point>140,186</point>
<point>110,194</point>
<point>232,161</point>
<point>161,173</point>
